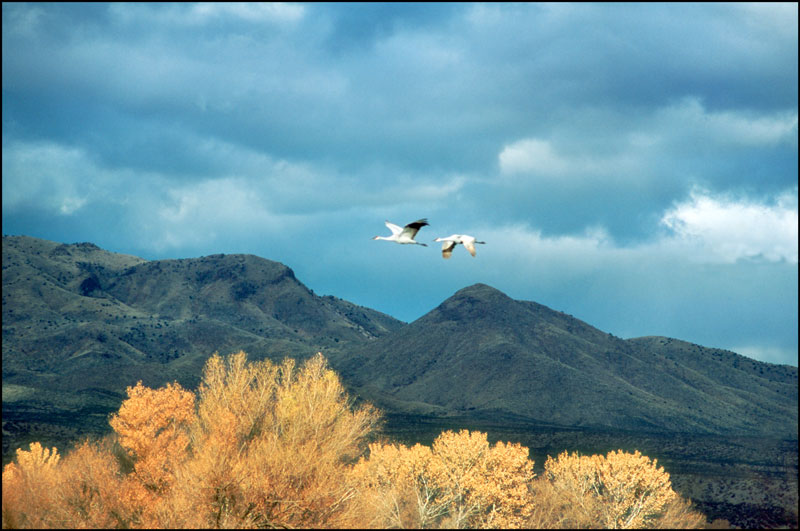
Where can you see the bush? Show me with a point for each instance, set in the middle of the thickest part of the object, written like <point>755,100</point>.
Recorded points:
<point>616,491</point>
<point>276,445</point>
<point>461,481</point>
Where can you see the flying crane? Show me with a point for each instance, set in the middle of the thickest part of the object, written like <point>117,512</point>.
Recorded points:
<point>405,234</point>
<point>451,241</point>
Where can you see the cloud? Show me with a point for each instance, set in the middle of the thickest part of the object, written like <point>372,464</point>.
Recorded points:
<point>531,155</point>
<point>200,13</point>
<point>251,11</point>
<point>58,178</point>
<point>704,228</point>
<point>568,136</point>
<point>235,190</point>
<point>770,18</point>
<point>594,144</point>
<point>690,119</point>
<point>767,353</point>
<point>210,211</point>
<point>572,160</point>
<point>721,229</point>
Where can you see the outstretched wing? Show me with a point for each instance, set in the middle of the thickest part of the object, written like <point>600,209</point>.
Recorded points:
<point>470,247</point>
<point>469,243</point>
<point>396,229</point>
<point>412,228</point>
<point>447,249</point>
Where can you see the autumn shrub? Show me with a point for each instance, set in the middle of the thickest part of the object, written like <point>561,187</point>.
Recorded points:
<point>152,425</point>
<point>617,491</point>
<point>460,481</point>
<point>270,446</point>
<point>28,488</point>
<point>88,491</point>
<point>262,444</point>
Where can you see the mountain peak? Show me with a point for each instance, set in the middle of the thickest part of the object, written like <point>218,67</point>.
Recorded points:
<point>479,290</point>
<point>477,301</point>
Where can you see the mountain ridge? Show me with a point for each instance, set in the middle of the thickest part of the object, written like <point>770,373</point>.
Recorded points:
<point>519,349</point>
<point>80,324</point>
<point>76,312</point>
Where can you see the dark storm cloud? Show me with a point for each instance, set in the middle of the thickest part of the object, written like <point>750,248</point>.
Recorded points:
<point>598,147</point>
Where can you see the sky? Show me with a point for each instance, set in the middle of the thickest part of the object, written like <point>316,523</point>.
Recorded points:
<point>632,165</point>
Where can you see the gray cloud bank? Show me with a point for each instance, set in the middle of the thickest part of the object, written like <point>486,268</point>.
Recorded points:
<point>634,165</point>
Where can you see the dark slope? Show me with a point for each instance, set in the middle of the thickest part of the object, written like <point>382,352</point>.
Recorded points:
<point>482,353</point>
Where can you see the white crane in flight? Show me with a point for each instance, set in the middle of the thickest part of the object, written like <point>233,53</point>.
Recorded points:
<point>405,234</point>
<point>451,241</point>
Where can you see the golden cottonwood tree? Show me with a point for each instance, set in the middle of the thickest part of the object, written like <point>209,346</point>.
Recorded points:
<point>152,424</point>
<point>28,488</point>
<point>270,447</point>
<point>396,487</point>
<point>461,481</point>
<point>618,491</point>
<point>278,445</point>
<point>262,445</point>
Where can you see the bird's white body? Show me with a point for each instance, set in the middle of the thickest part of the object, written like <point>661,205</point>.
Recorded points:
<point>451,241</point>
<point>404,235</point>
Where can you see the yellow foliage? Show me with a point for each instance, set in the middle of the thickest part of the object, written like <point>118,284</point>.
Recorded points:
<point>88,490</point>
<point>277,445</point>
<point>270,446</point>
<point>461,481</point>
<point>619,490</point>
<point>152,425</point>
<point>28,488</point>
<point>396,488</point>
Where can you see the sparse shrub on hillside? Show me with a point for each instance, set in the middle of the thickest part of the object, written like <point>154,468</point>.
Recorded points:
<point>277,445</point>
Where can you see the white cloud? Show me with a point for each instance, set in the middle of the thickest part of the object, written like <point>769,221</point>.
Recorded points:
<point>202,12</point>
<point>251,11</point>
<point>519,247</point>
<point>686,122</point>
<point>689,119</point>
<point>702,229</point>
<point>531,155</point>
<point>770,18</point>
<point>580,163</point>
<point>210,211</point>
<point>721,229</point>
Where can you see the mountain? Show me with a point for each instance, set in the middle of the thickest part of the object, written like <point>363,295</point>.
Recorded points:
<point>481,353</point>
<point>80,324</point>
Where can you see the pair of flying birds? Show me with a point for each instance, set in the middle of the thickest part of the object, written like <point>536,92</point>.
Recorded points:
<point>406,235</point>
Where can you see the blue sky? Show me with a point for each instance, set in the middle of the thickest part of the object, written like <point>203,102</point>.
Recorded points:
<point>634,165</point>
